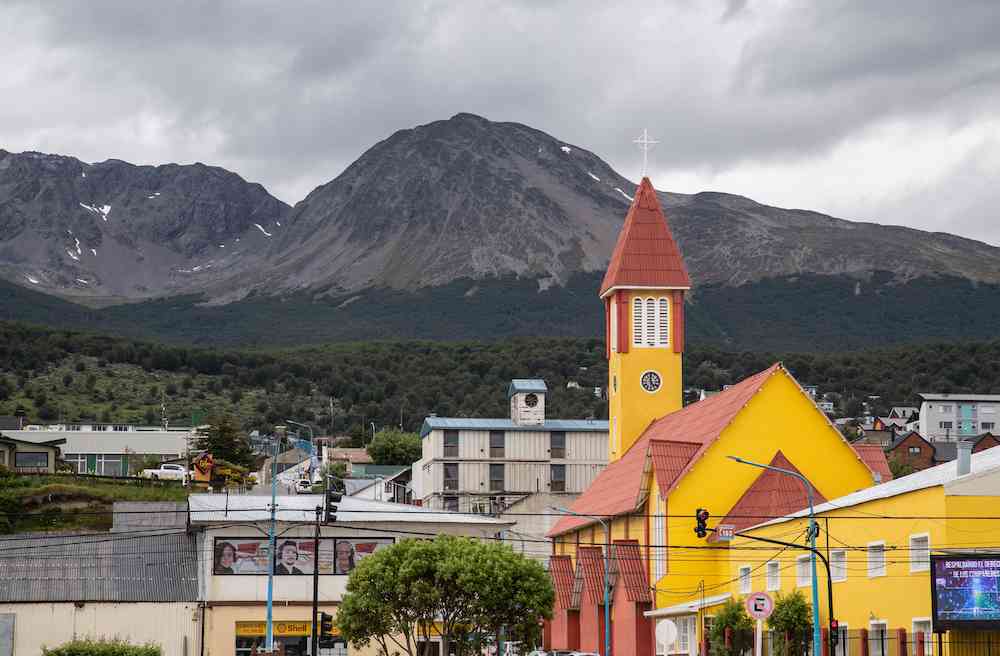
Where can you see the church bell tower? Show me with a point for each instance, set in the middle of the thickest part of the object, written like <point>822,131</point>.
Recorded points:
<point>643,293</point>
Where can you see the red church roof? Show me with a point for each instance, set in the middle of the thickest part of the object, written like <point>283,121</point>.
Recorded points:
<point>617,489</point>
<point>632,570</point>
<point>771,495</point>
<point>874,456</point>
<point>646,254</point>
<point>591,564</point>
<point>561,571</point>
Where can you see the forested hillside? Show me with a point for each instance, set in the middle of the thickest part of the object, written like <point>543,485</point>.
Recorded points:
<point>56,375</point>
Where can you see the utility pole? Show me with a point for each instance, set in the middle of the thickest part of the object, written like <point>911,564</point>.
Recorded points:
<point>279,431</point>
<point>315,615</point>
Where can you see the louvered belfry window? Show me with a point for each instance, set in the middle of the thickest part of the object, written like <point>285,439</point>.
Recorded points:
<point>637,321</point>
<point>651,321</point>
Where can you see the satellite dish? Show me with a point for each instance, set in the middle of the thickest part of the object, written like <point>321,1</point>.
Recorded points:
<point>666,632</point>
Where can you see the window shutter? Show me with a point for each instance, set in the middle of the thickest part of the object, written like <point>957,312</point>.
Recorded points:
<point>637,321</point>
<point>663,332</point>
<point>650,322</point>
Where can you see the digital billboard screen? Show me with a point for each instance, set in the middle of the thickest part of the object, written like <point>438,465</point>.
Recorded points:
<point>965,591</point>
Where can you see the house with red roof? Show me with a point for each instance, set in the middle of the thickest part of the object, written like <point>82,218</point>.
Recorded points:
<point>666,461</point>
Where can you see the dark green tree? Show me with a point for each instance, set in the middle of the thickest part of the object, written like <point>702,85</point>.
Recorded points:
<point>396,596</point>
<point>790,622</point>
<point>223,438</point>
<point>731,616</point>
<point>394,447</point>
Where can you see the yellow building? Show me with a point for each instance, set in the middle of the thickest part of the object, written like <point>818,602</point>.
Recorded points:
<point>667,461</point>
<point>879,543</point>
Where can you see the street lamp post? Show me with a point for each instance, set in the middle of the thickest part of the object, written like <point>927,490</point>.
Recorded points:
<point>279,433</point>
<point>813,530</point>
<point>607,585</point>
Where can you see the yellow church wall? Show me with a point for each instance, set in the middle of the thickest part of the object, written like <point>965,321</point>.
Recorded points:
<point>779,417</point>
<point>630,407</point>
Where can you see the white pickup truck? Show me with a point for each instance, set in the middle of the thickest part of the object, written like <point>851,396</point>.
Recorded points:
<point>166,473</point>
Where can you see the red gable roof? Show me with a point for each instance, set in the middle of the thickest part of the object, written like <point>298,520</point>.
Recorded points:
<point>646,254</point>
<point>771,495</point>
<point>617,489</point>
<point>632,570</point>
<point>669,460</point>
<point>561,571</point>
<point>874,457</point>
<point>591,564</point>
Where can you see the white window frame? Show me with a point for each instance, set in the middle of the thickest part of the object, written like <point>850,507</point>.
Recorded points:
<point>874,574</point>
<point>838,571</point>
<point>773,578</point>
<point>884,624</point>
<point>928,641</point>
<point>803,581</point>
<point>659,539</point>
<point>744,576</point>
<point>925,563</point>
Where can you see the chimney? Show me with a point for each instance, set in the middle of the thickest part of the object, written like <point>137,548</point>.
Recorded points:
<point>964,457</point>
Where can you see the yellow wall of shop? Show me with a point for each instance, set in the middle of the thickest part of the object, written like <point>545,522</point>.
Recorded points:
<point>221,625</point>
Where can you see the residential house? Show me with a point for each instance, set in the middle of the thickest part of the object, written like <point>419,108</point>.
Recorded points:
<point>880,546</point>
<point>29,457</point>
<point>949,417</point>
<point>485,465</point>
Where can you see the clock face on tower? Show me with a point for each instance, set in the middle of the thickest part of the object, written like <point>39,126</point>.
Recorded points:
<point>650,381</point>
<point>531,400</point>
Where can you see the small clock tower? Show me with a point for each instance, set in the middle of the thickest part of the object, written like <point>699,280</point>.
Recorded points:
<point>643,293</point>
<point>527,401</point>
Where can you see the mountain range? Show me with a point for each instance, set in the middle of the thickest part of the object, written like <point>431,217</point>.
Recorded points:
<point>463,228</point>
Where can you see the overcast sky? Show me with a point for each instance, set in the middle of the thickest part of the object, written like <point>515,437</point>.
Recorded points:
<point>869,110</point>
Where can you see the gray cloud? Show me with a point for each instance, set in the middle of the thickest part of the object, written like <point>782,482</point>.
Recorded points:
<point>745,93</point>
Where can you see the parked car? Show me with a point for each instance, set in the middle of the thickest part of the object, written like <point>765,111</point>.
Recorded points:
<point>303,486</point>
<point>166,472</point>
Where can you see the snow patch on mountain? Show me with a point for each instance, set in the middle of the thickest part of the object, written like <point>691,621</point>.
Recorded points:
<point>261,228</point>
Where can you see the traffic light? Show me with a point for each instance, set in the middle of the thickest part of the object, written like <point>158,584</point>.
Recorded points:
<point>325,623</point>
<point>331,500</point>
<point>701,517</point>
<point>834,634</point>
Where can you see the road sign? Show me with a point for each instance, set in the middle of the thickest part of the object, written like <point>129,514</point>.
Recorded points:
<point>760,605</point>
<point>724,532</point>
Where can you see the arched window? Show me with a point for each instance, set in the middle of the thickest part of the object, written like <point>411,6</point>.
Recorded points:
<point>663,321</point>
<point>637,321</point>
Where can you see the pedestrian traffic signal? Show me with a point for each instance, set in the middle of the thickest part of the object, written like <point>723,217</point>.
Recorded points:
<point>701,518</point>
<point>330,506</point>
<point>834,637</point>
<point>325,623</point>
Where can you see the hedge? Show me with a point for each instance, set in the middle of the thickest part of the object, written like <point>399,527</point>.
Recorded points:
<point>102,647</point>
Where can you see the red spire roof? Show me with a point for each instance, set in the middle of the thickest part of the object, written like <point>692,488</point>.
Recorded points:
<point>646,254</point>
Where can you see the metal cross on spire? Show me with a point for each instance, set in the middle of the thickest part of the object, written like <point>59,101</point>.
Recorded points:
<point>645,143</point>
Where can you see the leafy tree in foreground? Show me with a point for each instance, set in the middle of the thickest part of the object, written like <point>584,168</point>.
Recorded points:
<point>792,617</point>
<point>394,447</point>
<point>225,441</point>
<point>102,647</point>
<point>471,589</point>
<point>733,616</point>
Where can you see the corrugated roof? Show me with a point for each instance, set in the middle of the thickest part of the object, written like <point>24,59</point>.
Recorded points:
<point>669,459</point>
<point>141,442</point>
<point>632,570</point>
<point>874,457</point>
<point>772,494</point>
<point>617,489</point>
<point>472,423</point>
<point>218,508</point>
<point>525,385</point>
<point>984,461</point>
<point>646,254</point>
<point>152,566</point>
<point>561,572</point>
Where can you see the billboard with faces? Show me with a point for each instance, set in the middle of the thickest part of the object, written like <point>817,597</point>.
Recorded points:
<point>294,556</point>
